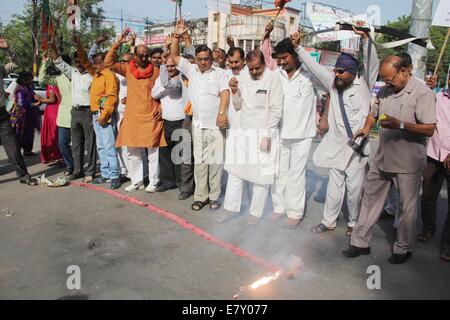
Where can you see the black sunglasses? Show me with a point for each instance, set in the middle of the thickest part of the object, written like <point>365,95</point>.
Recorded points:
<point>142,56</point>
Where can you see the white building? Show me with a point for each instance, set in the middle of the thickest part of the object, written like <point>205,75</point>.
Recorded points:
<point>157,34</point>
<point>247,26</point>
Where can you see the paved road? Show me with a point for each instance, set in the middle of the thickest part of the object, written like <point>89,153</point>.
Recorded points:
<point>126,251</point>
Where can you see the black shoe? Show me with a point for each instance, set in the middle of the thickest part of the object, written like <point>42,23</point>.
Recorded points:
<point>29,154</point>
<point>124,179</point>
<point>163,188</point>
<point>385,216</point>
<point>101,180</point>
<point>76,176</point>
<point>353,252</point>
<point>184,195</point>
<point>399,258</point>
<point>115,184</point>
<point>27,179</point>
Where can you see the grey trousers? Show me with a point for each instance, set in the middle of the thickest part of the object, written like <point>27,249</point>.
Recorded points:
<point>187,166</point>
<point>83,138</point>
<point>376,190</point>
<point>209,149</point>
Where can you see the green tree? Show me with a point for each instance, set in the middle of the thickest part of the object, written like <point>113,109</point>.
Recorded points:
<point>437,36</point>
<point>19,35</point>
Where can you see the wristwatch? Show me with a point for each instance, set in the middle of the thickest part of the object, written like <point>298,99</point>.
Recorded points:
<point>402,125</point>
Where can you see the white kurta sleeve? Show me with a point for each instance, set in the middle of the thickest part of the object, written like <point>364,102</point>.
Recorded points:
<point>275,103</point>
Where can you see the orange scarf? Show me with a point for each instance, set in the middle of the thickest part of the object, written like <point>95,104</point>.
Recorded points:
<point>141,74</point>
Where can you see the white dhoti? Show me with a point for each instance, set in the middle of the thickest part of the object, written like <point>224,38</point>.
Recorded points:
<point>233,196</point>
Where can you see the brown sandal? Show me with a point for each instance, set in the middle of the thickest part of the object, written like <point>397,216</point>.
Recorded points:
<point>215,205</point>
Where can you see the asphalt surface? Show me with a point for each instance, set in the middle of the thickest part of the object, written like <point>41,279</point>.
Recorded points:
<point>127,251</point>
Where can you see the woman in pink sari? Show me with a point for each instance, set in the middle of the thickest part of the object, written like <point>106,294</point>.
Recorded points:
<point>49,132</point>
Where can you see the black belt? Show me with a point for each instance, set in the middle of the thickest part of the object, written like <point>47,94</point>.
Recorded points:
<point>82,107</point>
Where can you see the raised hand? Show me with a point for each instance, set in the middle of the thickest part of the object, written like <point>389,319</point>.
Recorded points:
<point>3,44</point>
<point>165,56</point>
<point>181,27</point>
<point>100,39</point>
<point>297,38</point>
<point>233,85</point>
<point>361,33</point>
<point>269,29</point>
<point>123,35</point>
<point>230,41</point>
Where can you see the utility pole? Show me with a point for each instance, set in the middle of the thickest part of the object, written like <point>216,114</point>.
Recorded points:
<point>421,16</point>
<point>121,20</point>
<point>34,31</point>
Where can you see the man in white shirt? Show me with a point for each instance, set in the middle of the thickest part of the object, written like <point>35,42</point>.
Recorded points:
<point>209,94</point>
<point>82,131</point>
<point>169,90</point>
<point>253,153</point>
<point>297,129</point>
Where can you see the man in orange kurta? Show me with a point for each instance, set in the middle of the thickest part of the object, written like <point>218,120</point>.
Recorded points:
<point>142,125</point>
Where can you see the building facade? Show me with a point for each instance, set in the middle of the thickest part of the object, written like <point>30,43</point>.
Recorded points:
<point>247,26</point>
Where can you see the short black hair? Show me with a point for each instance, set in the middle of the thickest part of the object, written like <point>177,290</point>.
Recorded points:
<point>99,54</point>
<point>203,48</point>
<point>285,46</point>
<point>51,70</point>
<point>405,61</point>
<point>255,54</point>
<point>155,51</point>
<point>22,76</point>
<point>233,51</point>
<point>66,58</point>
<point>189,56</point>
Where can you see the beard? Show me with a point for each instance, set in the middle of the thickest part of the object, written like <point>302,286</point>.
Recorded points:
<point>341,85</point>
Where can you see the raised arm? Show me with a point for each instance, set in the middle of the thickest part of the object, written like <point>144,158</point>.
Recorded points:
<point>371,65</point>
<point>82,56</point>
<point>318,71</point>
<point>109,59</point>
<point>96,46</point>
<point>180,30</point>
<point>12,64</point>
<point>266,49</point>
<point>43,78</point>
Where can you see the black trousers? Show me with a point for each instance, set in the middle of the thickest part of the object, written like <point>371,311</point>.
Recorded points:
<point>433,177</point>
<point>187,167</point>
<point>83,139</point>
<point>9,140</point>
<point>169,173</point>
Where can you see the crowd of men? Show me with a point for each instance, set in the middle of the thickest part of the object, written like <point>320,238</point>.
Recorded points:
<point>163,120</point>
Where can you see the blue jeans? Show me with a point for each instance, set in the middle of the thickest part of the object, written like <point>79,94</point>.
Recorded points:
<point>64,138</point>
<point>106,141</point>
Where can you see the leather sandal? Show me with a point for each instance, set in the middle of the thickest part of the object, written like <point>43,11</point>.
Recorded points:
<point>321,228</point>
<point>198,205</point>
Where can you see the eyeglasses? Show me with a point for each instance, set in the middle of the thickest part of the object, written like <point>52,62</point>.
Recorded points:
<point>144,56</point>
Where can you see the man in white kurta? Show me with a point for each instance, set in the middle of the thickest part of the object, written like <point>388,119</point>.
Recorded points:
<point>298,129</point>
<point>347,167</point>
<point>253,153</point>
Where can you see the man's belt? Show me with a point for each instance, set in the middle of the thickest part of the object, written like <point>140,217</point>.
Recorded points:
<point>77,107</point>
<point>404,37</point>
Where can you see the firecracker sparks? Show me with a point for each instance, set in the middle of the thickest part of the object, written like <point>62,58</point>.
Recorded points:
<point>258,283</point>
